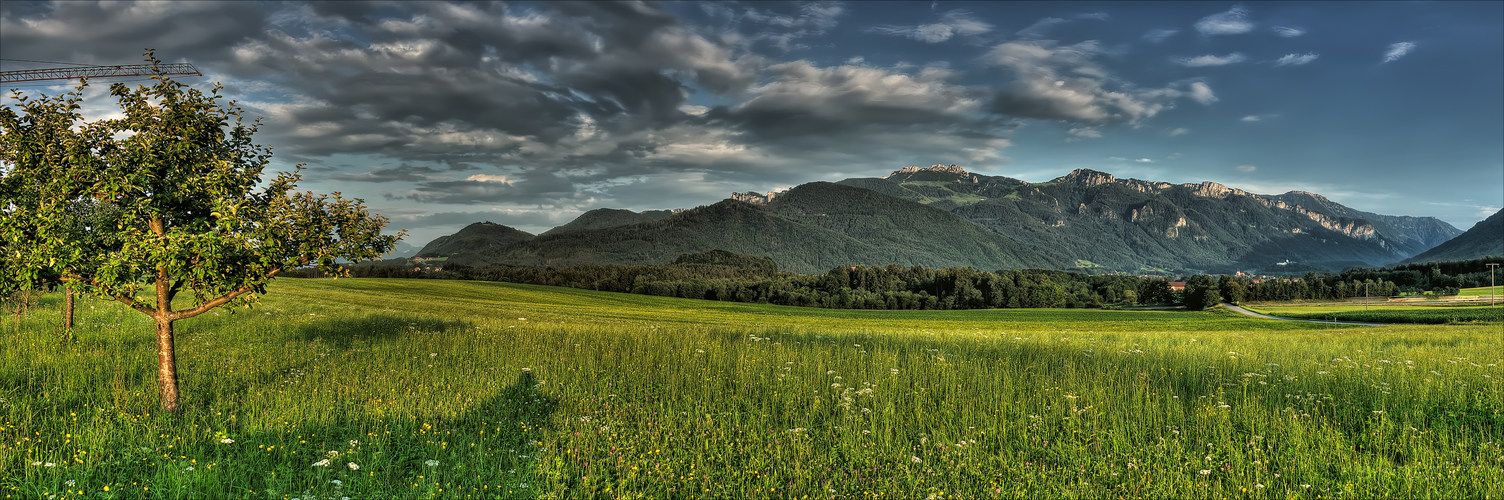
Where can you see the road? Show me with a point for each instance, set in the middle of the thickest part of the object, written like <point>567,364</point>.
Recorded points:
<point>1237,309</point>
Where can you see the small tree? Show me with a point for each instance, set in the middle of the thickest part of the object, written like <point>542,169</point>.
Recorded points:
<point>177,176</point>
<point>1201,292</point>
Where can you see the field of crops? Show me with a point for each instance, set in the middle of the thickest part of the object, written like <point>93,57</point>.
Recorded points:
<point>1380,312</point>
<point>419,389</point>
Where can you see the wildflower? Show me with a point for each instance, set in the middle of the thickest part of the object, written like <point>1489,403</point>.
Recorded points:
<point>354,443</point>
<point>916,460</point>
<point>188,469</point>
<point>526,369</point>
<point>336,482</point>
<point>34,464</point>
<point>893,371</point>
<point>49,464</point>
<point>321,463</point>
<point>431,463</point>
<point>830,372</point>
<point>1305,486</point>
<point>226,441</point>
<point>432,354</point>
<point>1204,472</point>
<point>353,466</point>
<point>71,483</point>
<point>1258,485</point>
<point>333,454</point>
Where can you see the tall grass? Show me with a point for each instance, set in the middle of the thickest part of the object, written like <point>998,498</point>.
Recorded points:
<point>418,389</point>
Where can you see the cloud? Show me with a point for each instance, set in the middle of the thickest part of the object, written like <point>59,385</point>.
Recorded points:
<point>1037,29</point>
<point>1296,59</point>
<point>1078,133</point>
<point>950,24</point>
<point>1485,211</point>
<point>1159,35</point>
<point>404,173</point>
<point>1212,60</point>
<point>1052,81</point>
<point>1250,118</point>
<point>1288,31</point>
<point>1174,156</point>
<point>1179,131</point>
<point>1398,50</point>
<point>1202,93</point>
<point>1233,22</point>
<point>1144,160</point>
<point>1247,169</point>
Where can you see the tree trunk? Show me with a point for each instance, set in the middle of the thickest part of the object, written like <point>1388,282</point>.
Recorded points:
<point>67,312</point>
<point>167,365</point>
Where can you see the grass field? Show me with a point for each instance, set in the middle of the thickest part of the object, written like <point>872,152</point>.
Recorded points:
<point>1380,312</point>
<point>443,389</point>
<point>1482,291</point>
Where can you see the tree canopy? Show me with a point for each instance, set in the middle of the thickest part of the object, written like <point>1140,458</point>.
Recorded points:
<point>166,198</point>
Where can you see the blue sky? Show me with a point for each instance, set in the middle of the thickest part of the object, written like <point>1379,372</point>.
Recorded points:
<point>440,114</point>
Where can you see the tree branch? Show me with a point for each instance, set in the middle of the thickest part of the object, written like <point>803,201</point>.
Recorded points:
<point>202,308</point>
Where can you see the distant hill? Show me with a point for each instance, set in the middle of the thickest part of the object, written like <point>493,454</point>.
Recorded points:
<point>602,218</point>
<point>1130,224</point>
<point>945,216</point>
<point>477,238</point>
<point>1485,239</point>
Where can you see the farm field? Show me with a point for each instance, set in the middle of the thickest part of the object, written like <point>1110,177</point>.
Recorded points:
<point>1482,292</point>
<point>384,388</point>
<point>1381,312</point>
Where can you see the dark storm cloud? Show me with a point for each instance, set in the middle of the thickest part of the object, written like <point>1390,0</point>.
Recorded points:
<point>404,173</point>
<point>118,32</point>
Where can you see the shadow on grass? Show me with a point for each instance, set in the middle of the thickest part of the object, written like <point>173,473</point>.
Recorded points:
<point>347,333</point>
<point>491,450</point>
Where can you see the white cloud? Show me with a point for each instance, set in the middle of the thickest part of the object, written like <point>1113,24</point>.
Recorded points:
<point>1063,82</point>
<point>1202,93</point>
<point>1296,59</point>
<point>1144,160</point>
<point>1233,22</point>
<point>1289,31</point>
<point>1398,50</point>
<point>1247,169</point>
<point>1085,133</point>
<point>1174,156</point>
<point>1212,60</point>
<point>1485,211</point>
<point>1159,35</point>
<point>501,179</point>
<point>951,24</point>
<point>1179,131</point>
<point>1250,118</point>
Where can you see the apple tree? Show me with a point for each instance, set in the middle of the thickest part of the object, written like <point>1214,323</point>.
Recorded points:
<point>179,220</point>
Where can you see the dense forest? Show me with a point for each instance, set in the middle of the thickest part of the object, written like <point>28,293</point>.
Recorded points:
<point>727,276</point>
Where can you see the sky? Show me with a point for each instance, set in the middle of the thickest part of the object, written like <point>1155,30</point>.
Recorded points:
<point>440,114</point>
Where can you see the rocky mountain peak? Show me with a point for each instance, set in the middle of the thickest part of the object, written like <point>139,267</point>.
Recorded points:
<point>949,169</point>
<point>1086,177</point>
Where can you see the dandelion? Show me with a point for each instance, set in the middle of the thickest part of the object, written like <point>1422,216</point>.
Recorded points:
<point>431,463</point>
<point>226,441</point>
<point>321,463</point>
<point>916,460</point>
<point>353,466</point>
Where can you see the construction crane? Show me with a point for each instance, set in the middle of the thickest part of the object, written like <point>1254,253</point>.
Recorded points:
<point>32,75</point>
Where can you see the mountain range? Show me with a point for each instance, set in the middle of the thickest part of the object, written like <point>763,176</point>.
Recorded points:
<point>944,216</point>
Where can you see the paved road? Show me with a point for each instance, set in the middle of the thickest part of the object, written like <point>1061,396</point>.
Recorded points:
<point>1237,309</point>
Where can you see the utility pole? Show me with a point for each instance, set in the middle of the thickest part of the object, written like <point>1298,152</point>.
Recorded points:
<point>1492,288</point>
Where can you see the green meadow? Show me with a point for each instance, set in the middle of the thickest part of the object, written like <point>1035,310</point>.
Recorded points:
<point>1384,312</point>
<point>384,388</point>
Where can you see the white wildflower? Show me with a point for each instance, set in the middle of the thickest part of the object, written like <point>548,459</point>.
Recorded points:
<point>1204,472</point>
<point>321,463</point>
<point>226,441</point>
<point>431,463</point>
<point>353,466</point>
<point>916,460</point>
<point>70,483</point>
